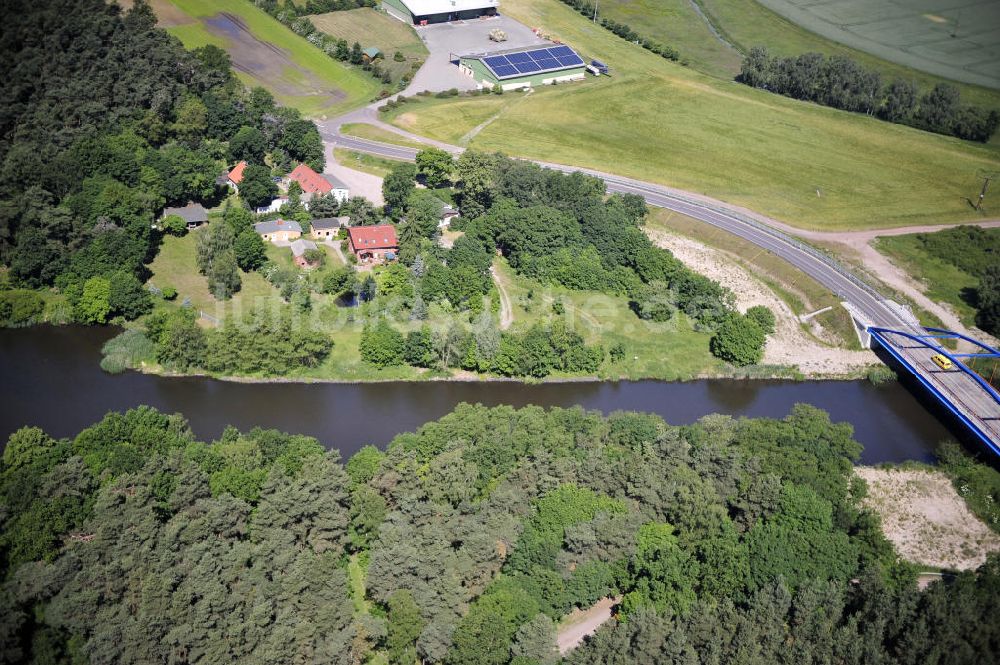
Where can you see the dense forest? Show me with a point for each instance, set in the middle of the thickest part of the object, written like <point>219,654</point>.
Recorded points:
<point>465,542</point>
<point>842,83</point>
<point>104,121</point>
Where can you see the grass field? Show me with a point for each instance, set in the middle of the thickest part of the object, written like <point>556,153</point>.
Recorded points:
<point>747,23</point>
<point>938,36</point>
<point>175,265</point>
<point>810,166</point>
<point>359,161</point>
<point>373,133</point>
<point>942,281</point>
<point>266,53</point>
<point>372,28</point>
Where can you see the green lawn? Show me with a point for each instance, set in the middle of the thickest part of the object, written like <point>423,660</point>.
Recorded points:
<point>942,281</point>
<point>175,265</point>
<point>670,351</point>
<point>373,133</point>
<point>359,161</point>
<point>810,166</point>
<point>300,76</point>
<point>369,27</point>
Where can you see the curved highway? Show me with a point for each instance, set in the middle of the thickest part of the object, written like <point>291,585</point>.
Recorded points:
<point>977,407</point>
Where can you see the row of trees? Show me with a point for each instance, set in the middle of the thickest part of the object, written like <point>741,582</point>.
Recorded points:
<point>474,535</point>
<point>624,31</point>
<point>536,352</point>
<point>842,83</point>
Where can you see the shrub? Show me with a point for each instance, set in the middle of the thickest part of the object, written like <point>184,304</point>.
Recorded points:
<point>126,351</point>
<point>763,317</point>
<point>20,307</point>
<point>169,293</point>
<point>739,340</point>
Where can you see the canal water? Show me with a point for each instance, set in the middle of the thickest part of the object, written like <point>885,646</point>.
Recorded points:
<point>52,379</point>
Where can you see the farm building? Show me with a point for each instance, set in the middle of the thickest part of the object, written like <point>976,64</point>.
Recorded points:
<point>422,12</point>
<point>524,67</point>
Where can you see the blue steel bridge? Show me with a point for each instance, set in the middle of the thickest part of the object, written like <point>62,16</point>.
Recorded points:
<point>961,391</point>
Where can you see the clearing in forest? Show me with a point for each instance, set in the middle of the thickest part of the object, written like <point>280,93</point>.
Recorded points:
<point>926,519</point>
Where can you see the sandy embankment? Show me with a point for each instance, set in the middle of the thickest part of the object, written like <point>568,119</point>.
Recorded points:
<point>790,344</point>
<point>926,519</point>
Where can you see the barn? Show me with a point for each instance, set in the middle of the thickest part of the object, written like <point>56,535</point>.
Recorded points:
<point>524,67</point>
<point>423,12</point>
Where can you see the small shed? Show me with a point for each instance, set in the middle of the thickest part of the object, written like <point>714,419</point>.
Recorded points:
<point>370,53</point>
<point>299,249</point>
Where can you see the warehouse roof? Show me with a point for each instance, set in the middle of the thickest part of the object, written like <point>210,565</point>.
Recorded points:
<point>428,7</point>
<point>529,61</point>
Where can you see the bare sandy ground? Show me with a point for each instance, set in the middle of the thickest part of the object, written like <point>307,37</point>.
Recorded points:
<point>790,344</point>
<point>581,623</point>
<point>926,519</point>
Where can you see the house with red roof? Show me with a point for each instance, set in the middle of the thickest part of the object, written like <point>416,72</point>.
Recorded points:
<point>235,177</point>
<point>373,243</point>
<point>317,184</point>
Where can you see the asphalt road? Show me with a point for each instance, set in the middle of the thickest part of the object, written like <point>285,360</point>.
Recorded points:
<point>980,407</point>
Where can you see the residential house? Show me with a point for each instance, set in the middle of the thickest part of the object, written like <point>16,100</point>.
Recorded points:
<point>194,214</point>
<point>235,177</point>
<point>299,249</point>
<point>278,230</point>
<point>273,206</point>
<point>314,184</point>
<point>448,213</point>
<point>327,228</point>
<point>373,243</point>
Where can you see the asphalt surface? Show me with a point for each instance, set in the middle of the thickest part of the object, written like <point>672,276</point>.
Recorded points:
<point>980,407</point>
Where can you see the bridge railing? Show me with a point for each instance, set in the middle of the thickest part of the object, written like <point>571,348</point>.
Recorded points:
<point>879,333</point>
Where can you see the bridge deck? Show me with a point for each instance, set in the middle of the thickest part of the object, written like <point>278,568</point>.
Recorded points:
<point>971,401</point>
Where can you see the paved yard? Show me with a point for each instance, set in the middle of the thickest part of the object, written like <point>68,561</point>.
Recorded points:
<point>447,41</point>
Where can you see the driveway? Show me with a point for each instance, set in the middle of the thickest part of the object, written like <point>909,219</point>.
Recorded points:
<point>447,41</point>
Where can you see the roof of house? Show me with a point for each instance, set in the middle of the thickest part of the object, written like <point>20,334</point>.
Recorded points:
<point>382,236</point>
<point>427,7</point>
<point>371,51</point>
<point>334,181</point>
<point>312,182</point>
<point>299,247</point>
<point>277,225</point>
<point>236,175</point>
<point>191,213</point>
<point>325,223</point>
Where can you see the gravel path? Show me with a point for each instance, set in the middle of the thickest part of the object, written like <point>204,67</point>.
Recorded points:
<point>506,311</point>
<point>582,623</point>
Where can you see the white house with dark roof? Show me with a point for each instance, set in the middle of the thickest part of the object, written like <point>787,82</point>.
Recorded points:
<point>327,228</point>
<point>278,230</point>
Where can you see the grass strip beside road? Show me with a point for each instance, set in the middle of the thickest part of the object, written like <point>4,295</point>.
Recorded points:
<point>360,161</point>
<point>372,133</point>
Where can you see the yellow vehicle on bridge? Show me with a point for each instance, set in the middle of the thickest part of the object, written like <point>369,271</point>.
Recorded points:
<point>942,361</point>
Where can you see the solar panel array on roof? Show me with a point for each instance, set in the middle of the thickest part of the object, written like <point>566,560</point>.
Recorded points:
<point>535,61</point>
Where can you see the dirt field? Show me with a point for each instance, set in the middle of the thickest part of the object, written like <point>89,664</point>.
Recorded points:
<point>790,344</point>
<point>926,519</point>
<point>268,62</point>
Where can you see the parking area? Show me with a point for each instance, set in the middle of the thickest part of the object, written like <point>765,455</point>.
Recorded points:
<point>447,40</point>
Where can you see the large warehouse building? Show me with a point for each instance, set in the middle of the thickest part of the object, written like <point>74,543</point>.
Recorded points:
<point>422,12</point>
<point>524,67</point>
